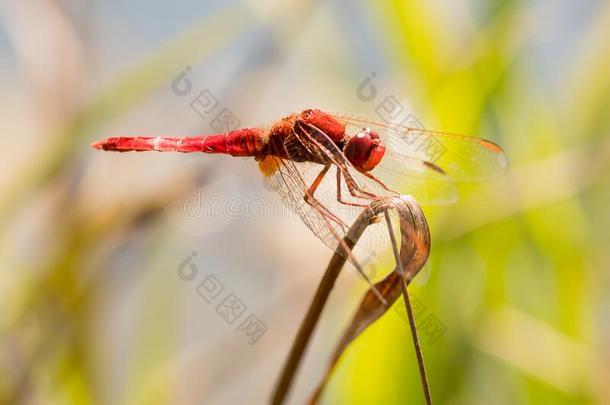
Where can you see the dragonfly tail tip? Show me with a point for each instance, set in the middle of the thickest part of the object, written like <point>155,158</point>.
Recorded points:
<point>98,145</point>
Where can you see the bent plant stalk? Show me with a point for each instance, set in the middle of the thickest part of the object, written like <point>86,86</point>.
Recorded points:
<point>414,250</point>
<point>412,325</point>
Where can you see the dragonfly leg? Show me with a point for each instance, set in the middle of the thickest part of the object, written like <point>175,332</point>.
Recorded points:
<point>376,180</point>
<point>355,190</point>
<point>339,198</point>
<point>311,200</point>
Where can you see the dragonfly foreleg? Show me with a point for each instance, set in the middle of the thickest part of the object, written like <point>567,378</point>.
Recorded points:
<point>340,199</point>
<point>376,180</point>
<point>311,200</point>
<point>355,190</point>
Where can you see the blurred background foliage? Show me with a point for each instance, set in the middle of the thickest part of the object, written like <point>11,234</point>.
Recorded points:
<point>93,308</point>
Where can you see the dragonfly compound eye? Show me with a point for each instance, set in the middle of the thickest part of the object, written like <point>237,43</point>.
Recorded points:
<point>364,150</point>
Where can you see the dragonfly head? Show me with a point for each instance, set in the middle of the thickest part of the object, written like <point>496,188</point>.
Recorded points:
<point>364,150</point>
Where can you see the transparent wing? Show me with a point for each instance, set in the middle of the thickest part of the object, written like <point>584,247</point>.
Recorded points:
<point>460,157</point>
<point>290,184</point>
<point>409,176</point>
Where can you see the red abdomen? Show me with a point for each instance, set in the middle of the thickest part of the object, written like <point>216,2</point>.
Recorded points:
<point>241,142</point>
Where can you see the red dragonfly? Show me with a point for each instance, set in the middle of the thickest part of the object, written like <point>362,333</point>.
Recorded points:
<point>371,159</point>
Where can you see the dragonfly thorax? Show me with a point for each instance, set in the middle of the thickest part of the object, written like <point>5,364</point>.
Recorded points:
<point>306,136</point>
